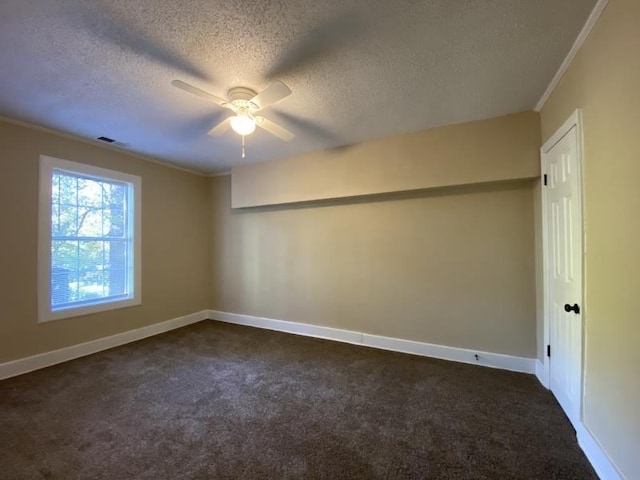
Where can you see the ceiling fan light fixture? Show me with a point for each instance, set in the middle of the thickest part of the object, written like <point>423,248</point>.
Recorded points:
<point>243,124</point>
<point>245,103</point>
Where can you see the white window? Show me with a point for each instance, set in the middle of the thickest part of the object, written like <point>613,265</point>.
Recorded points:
<point>89,239</point>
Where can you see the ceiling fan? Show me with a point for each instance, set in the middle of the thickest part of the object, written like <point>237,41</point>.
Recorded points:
<point>245,103</point>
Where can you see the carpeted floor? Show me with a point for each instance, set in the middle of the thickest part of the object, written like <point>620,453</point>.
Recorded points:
<point>218,401</point>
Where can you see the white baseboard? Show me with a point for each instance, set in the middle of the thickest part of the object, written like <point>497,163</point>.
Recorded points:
<point>598,458</point>
<point>346,336</point>
<point>487,359</point>
<point>592,449</point>
<point>541,374</point>
<point>35,362</point>
<point>463,355</point>
<point>600,461</point>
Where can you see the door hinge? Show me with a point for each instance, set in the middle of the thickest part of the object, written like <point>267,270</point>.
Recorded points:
<point>548,350</point>
<point>545,178</point>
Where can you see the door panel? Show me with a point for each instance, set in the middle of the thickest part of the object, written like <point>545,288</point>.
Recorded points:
<point>564,272</point>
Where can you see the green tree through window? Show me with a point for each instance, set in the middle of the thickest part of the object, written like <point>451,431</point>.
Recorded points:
<point>89,236</point>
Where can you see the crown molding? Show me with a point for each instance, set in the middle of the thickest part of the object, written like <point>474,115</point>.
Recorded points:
<point>97,143</point>
<point>582,37</point>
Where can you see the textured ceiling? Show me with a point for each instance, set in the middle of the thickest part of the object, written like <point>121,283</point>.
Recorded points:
<point>359,69</point>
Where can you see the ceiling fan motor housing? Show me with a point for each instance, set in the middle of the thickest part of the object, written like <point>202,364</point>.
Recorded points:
<point>240,97</point>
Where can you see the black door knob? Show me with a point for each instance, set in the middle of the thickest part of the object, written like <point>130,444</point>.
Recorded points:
<point>575,308</point>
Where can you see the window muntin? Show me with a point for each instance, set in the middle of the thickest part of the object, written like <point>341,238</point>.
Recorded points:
<point>90,237</point>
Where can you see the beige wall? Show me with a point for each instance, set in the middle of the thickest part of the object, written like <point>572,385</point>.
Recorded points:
<point>453,267</point>
<point>175,247</point>
<point>604,80</point>
<point>503,148</point>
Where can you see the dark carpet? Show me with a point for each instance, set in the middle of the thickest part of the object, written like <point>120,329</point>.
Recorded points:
<point>218,401</point>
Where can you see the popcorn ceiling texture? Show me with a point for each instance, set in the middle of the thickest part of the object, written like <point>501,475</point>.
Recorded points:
<point>359,69</point>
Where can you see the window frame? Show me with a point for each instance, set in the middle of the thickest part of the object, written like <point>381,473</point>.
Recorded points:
<point>47,166</point>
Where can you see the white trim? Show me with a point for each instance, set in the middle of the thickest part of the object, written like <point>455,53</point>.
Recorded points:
<point>221,174</point>
<point>43,360</point>
<point>134,219</point>
<point>542,374</point>
<point>305,329</point>
<point>599,459</point>
<point>575,120</point>
<point>596,455</point>
<point>582,37</point>
<point>487,359</point>
<point>462,355</point>
<point>545,281</point>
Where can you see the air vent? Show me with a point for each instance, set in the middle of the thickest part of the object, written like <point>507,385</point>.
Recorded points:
<point>106,139</point>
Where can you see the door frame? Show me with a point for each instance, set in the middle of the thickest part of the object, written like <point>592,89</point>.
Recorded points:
<point>575,120</point>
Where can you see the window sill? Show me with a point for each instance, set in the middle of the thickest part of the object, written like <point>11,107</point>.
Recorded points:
<point>50,316</point>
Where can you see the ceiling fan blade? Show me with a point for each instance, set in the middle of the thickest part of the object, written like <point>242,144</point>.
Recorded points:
<point>319,44</point>
<point>272,94</point>
<point>220,128</point>
<point>313,128</point>
<point>116,30</point>
<point>274,129</point>
<point>195,127</point>
<point>200,93</point>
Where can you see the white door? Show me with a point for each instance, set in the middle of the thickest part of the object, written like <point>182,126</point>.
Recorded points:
<point>563,221</point>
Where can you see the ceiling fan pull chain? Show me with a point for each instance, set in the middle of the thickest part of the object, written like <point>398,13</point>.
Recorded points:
<point>242,146</point>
